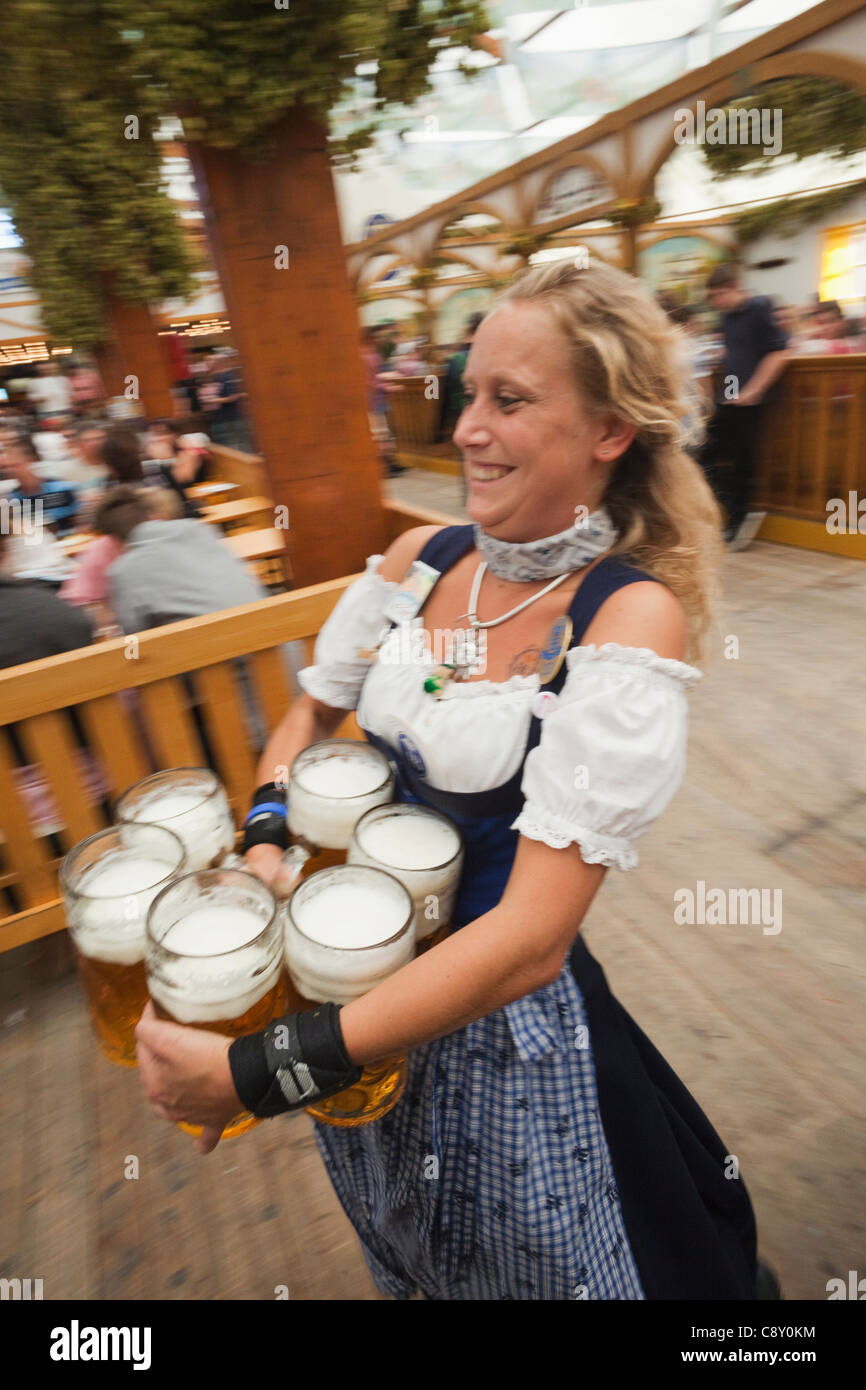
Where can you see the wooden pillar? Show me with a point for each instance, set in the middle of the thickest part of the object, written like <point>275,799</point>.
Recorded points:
<point>135,349</point>
<point>297,331</point>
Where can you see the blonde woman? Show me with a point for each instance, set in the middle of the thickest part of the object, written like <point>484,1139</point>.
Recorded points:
<point>571,1162</point>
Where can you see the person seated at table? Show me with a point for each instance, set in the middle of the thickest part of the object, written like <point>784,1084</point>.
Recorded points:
<point>43,501</point>
<point>84,444</point>
<point>88,586</point>
<point>169,458</point>
<point>34,622</point>
<point>168,570</point>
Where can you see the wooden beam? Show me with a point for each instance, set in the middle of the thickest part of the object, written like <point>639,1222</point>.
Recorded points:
<point>275,237</point>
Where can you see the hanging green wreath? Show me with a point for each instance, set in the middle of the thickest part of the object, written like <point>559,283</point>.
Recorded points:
<point>818,116</point>
<point>634,212</point>
<point>785,216</point>
<point>525,243</point>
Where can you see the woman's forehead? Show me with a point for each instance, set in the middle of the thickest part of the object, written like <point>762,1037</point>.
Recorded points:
<point>519,337</point>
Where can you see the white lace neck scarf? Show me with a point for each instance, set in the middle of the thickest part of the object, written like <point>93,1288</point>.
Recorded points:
<point>522,561</point>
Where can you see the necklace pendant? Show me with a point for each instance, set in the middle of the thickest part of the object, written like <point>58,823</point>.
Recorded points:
<point>556,644</point>
<point>439,677</point>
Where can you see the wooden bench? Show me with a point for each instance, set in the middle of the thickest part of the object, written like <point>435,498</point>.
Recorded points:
<point>238,514</point>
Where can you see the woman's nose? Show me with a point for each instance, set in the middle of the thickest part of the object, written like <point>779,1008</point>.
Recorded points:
<point>470,427</point>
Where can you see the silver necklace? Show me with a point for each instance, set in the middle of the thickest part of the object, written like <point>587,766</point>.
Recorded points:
<point>470,652</point>
<point>472,615</point>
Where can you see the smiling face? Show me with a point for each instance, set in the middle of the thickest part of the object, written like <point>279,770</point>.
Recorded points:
<point>532,453</point>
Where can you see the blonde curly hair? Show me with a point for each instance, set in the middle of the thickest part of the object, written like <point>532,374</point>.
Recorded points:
<point>630,361</point>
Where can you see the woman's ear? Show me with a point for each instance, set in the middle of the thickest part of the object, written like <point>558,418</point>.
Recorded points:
<point>614,438</point>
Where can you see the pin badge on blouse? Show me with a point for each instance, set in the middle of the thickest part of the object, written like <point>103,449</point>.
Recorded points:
<point>408,600</point>
<point>556,644</point>
<point>405,603</point>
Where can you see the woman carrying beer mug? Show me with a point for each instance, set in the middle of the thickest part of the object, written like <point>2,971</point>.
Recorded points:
<point>542,1149</point>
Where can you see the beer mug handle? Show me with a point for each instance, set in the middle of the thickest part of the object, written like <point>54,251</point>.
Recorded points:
<point>289,870</point>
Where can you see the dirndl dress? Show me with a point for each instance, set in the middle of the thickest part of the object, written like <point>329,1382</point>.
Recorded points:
<point>547,1150</point>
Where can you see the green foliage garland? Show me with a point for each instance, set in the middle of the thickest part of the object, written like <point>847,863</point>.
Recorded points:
<point>232,68</point>
<point>819,116</point>
<point>785,216</point>
<point>85,200</point>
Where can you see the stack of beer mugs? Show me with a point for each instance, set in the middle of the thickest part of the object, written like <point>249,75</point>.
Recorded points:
<point>149,911</point>
<point>152,903</point>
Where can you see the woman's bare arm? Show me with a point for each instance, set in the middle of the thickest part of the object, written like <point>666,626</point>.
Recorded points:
<point>513,950</point>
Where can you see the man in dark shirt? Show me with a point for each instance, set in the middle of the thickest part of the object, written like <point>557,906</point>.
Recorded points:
<point>228,422</point>
<point>756,351</point>
<point>34,622</point>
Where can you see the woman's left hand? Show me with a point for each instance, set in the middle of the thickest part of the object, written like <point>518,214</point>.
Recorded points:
<point>186,1075</point>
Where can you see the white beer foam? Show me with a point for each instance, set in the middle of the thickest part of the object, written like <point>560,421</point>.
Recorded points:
<point>108,923</point>
<point>328,797</point>
<point>203,985</point>
<point>411,846</point>
<point>324,958</point>
<point>204,827</point>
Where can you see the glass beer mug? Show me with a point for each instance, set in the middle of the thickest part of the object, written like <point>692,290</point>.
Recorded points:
<point>192,802</point>
<point>346,929</point>
<point>214,958</point>
<point>331,785</point>
<point>424,849</point>
<point>108,883</point>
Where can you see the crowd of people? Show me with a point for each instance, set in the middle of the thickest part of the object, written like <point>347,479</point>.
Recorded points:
<point>129,485</point>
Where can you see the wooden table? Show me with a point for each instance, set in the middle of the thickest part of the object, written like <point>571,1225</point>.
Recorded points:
<point>256,545</point>
<point>200,491</point>
<point>263,551</point>
<point>74,544</point>
<point>233,514</point>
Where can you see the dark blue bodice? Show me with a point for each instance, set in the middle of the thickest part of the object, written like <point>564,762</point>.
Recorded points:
<point>485,818</point>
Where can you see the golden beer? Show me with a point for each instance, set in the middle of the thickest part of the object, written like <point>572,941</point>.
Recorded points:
<point>424,850</point>
<point>347,929</point>
<point>108,882</point>
<point>214,959</point>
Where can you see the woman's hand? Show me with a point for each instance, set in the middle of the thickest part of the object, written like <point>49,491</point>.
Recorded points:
<point>264,861</point>
<point>186,1075</point>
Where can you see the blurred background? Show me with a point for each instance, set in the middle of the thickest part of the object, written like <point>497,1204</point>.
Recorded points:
<point>243,250</point>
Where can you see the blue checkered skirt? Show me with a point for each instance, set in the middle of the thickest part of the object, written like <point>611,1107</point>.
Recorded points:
<point>491,1177</point>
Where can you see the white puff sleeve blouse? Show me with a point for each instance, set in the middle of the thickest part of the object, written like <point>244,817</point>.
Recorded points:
<point>612,749</point>
<point>357,620</point>
<point>612,752</point>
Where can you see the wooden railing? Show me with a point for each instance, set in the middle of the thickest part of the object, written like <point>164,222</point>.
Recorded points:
<point>813,437</point>
<point>97,720</point>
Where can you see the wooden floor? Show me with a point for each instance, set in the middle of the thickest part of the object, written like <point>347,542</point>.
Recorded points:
<point>766,1030</point>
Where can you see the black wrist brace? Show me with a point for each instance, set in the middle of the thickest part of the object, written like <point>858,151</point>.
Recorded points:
<point>268,825</point>
<point>296,1060</point>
